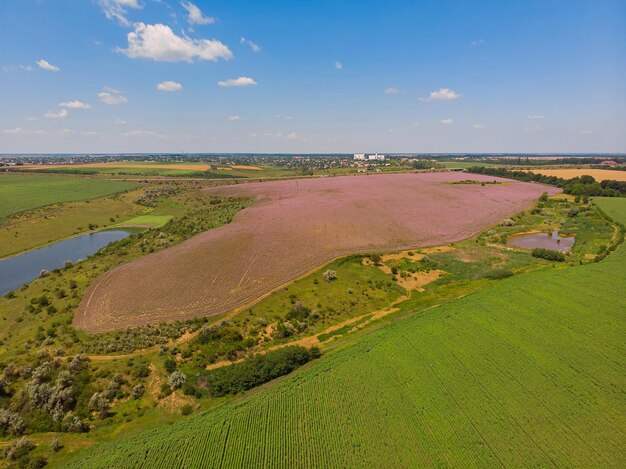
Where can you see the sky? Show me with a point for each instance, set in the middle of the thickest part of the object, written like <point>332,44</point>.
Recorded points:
<point>104,76</point>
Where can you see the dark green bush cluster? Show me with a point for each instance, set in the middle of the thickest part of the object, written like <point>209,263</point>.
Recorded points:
<point>257,370</point>
<point>548,254</point>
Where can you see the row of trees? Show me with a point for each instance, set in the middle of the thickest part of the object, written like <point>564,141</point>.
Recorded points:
<point>580,186</point>
<point>258,369</point>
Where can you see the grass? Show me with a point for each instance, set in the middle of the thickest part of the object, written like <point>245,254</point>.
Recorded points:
<point>528,372</point>
<point>358,289</point>
<point>151,221</point>
<point>19,192</point>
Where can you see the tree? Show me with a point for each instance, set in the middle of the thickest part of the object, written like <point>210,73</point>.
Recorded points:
<point>176,380</point>
<point>376,259</point>
<point>99,403</point>
<point>543,197</point>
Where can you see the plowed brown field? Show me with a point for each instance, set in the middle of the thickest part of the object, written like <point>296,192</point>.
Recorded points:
<point>295,226</point>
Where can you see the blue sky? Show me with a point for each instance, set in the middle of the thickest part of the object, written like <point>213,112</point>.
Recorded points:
<point>304,76</point>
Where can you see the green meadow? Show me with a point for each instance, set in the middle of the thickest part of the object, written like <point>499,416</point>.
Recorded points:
<point>528,372</point>
<point>19,192</point>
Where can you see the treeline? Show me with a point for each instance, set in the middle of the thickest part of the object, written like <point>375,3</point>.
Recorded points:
<point>257,370</point>
<point>583,185</point>
<point>526,161</point>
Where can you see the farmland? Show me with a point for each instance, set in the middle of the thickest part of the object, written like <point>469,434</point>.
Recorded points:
<point>597,174</point>
<point>262,248</point>
<point>525,373</point>
<point>19,192</point>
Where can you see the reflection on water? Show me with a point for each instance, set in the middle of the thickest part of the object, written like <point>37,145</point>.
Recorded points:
<point>552,241</point>
<point>18,270</point>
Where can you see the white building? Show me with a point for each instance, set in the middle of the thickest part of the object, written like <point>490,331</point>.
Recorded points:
<point>359,156</point>
<point>376,157</point>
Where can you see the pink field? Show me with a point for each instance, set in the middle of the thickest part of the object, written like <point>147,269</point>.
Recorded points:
<point>293,227</point>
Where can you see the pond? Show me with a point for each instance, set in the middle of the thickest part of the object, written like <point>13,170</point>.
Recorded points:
<point>553,241</point>
<point>18,270</point>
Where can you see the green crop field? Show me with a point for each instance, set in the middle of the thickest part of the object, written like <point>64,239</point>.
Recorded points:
<point>19,192</point>
<point>527,373</point>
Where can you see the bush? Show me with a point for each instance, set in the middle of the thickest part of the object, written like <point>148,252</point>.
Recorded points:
<point>330,275</point>
<point>20,448</point>
<point>257,370</point>
<point>56,445</point>
<point>10,294</point>
<point>573,212</point>
<point>176,380</point>
<point>186,409</point>
<point>170,365</point>
<point>548,254</point>
<point>497,274</point>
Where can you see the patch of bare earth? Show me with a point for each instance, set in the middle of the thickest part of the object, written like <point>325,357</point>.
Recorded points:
<point>294,227</point>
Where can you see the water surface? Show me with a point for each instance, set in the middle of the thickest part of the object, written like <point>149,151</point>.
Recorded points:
<point>553,241</point>
<point>18,270</point>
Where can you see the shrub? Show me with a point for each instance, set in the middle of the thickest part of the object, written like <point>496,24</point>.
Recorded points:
<point>543,197</point>
<point>137,391</point>
<point>548,254</point>
<point>330,275</point>
<point>508,222</point>
<point>497,274</point>
<point>10,294</point>
<point>11,423</point>
<point>186,409</point>
<point>573,212</point>
<point>176,380</point>
<point>20,448</point>
<point>170,365</point>
<point>56,445</point>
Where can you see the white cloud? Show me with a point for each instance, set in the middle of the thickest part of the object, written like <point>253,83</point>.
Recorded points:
<point>89,133</point>
<point>11,68</point>
<point>75,105</point>
<point>283,117</point>
<point>169,86</point>
<point>338,65</point>
<point>158,42</point>
<point>537,116</point>
<point>586,132</point>
<point>62,114</point>
<point>31,118</point>
<point>478,42</point>
<point>142,133</point>
<point>255,47</point>
<point>234,118</point>
<point>478,126</point>
<point>292,136</point>
<point>15,131</point>
<point>447,121</point>
<point>194,14</point>
<point>273,134</point>
<point>443,94</point>
<point>45,65</point>
<point>116,9</point>
<point>241,81</point>
<point>392,90</point>
<point>531,129</point>
<point>112,97</point>
<point>416,124</point>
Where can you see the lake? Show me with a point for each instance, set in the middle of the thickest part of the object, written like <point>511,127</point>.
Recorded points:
<point>18,270</point>
<point>553,241</point>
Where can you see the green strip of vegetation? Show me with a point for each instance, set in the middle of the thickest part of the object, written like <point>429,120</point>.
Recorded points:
<point>256,370</point>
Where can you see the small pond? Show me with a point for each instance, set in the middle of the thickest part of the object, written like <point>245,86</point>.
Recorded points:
<point>18,270</point>
<point>553,241</point>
